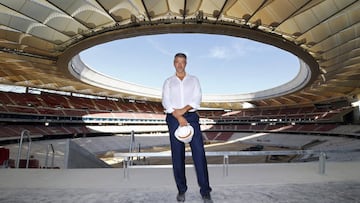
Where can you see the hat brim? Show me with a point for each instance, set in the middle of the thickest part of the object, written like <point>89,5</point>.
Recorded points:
<point>187,137</point>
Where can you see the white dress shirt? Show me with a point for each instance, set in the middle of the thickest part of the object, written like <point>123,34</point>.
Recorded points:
<point>178,93</point>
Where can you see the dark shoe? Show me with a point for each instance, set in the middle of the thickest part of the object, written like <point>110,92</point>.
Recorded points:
<point>180,197</point>
<point>207,198</point>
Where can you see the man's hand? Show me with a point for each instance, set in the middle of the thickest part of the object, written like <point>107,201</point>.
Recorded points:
<point>178,112</point>
<point>179,115</point>
<point>182,121</point>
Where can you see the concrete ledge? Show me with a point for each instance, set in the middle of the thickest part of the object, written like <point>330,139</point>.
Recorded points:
<point>242,174</point>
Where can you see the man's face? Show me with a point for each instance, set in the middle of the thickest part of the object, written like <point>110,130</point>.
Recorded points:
<point>179,64</point>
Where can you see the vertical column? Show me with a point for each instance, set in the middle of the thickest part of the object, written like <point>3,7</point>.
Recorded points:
<point>322,159</point>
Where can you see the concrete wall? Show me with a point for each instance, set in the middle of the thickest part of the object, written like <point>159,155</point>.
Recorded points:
<point>78,157</point>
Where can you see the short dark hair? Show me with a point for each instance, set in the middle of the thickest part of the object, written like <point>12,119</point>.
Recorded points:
<point>182,55</point>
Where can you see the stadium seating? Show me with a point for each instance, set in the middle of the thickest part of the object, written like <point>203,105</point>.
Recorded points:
<point>37,130</point>
<point>72,106</point>
<point>217,136</point>
<point>54,100</point>
<point>72,110</point>
<point>4,157</point>
<point>33,163</point>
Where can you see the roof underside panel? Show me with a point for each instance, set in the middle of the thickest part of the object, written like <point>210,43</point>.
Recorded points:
<point>36,34</point>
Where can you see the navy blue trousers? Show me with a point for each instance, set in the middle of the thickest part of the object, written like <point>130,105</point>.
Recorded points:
<point>198,154</point>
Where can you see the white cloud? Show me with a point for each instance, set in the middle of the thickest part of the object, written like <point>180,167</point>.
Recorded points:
<point>234,50</point>
<point>220,52</point>
<point>158,46</point>
<point>163,49</point>
<point>239,49</point>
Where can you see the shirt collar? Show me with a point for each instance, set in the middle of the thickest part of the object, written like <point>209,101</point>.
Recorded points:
<point>186,76</point>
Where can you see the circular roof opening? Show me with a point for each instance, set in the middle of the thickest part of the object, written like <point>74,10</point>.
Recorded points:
<point>225,65</point>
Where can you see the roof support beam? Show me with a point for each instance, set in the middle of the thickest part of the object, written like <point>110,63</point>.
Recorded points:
<point>257,10</point>
<point>221,11</point>
<point>291,15</point>
<point>106,11</point>
<point>147,11</point>
<point>62,10</point>
<point>329,17</point>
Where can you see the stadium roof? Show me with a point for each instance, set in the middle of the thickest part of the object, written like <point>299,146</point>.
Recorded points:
<point>40,41</point>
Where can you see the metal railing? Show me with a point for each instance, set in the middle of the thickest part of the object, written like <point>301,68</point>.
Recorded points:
<point>23,133</point>
<point>132,145</point>
<point>128,157</point>
<point>47,155</point>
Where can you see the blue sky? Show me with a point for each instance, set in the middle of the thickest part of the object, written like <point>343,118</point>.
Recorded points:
<point>223,64</point>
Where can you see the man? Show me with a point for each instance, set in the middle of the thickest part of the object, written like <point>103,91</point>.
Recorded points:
<point>181,98</point>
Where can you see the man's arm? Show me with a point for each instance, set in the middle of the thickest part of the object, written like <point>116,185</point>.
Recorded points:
<point>166,98</point>
<point>179,114</point>
<point>194,104</point>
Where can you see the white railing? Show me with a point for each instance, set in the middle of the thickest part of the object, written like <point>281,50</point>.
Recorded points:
<point>27,134</point>
<point>128,157</point>
<point>50,146</point>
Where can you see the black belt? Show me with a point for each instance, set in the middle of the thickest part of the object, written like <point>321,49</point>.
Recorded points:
<point>187,113</point>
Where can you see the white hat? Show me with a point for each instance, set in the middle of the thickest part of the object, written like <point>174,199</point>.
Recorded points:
<point>184,133</point>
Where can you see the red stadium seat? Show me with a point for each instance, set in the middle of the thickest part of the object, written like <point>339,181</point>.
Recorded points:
<point>4,156</point>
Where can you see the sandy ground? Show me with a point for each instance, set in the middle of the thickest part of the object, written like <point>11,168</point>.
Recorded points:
<point>333,192</point>
<point>246,182</point>
<point>296,182</point>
